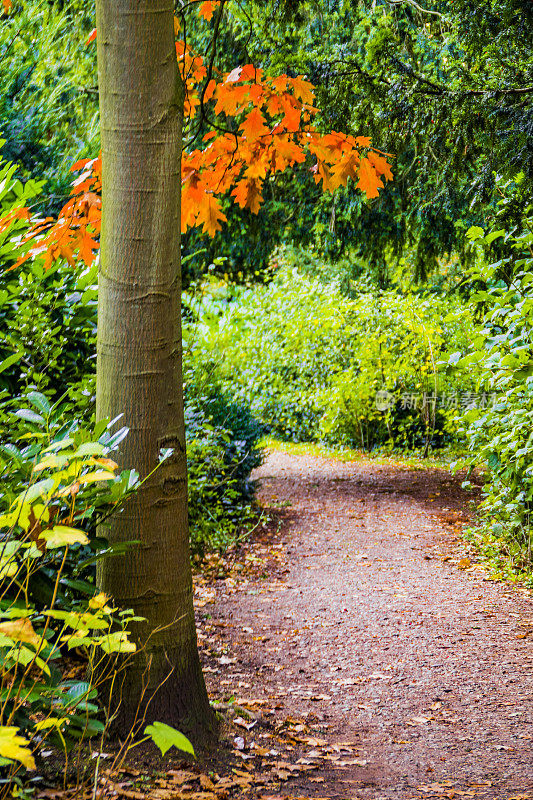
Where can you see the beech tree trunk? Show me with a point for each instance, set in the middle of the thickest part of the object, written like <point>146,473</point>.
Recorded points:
<point>139,356</point>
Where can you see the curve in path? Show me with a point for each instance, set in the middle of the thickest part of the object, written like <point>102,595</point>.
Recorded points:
<point>423,667</point>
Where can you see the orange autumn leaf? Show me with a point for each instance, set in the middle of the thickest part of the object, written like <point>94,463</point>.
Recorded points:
<point>254,126</point>
<point>266,128</point>
<point>247,194</point>
<point>210,215</point>
<point>303,90</point>
<point>7,6</point>
<point>346,167</point>
<point>207,9</point>
<point>369,181</point>
<point>380,164</point>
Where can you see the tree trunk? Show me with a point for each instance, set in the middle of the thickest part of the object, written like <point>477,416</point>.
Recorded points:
<point>139,357</point>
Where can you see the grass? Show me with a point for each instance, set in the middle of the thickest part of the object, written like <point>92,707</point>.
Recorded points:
<point>440,459</point>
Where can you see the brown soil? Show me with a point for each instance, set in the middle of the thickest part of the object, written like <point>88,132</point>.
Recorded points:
<point>361,628</point>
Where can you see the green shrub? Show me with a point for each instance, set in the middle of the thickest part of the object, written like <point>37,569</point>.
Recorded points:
<point>500,436</point>
<point>56,483</point>
<point>309,361</point>
<point>222,450</point>
<point>47,319</point>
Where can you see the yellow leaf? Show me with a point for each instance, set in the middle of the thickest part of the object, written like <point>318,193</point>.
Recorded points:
<point>8,567</point>
<point>50,722</point>
<point>50,462</point>
<point>62,535</point>
<point>20,630</point>
<point>98,601</point>
<point>106,462</point>
<point>117,642</point>
<point>99,475</point>
<point>14,747</point>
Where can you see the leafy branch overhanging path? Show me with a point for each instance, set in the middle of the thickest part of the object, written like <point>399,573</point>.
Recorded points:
<point>393,665</point>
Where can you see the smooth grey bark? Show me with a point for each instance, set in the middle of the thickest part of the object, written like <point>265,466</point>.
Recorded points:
<point>139,355</point>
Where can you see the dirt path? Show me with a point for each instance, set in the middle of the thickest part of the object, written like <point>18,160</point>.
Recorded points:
<point>413,674</point>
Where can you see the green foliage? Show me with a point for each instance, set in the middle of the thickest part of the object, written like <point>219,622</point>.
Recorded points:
<point>165,737</point>
<point>222,446</point>
<point>310,361</point>
<point>445,86</point>
<point>57,482</point>
<point>47,319</point>
<point>431,83</point>
<point>500,436</point>
<point>48,97</point>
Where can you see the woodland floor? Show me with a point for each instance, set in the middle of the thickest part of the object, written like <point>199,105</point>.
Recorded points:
<point>375,659</point>
<point>356,650</point>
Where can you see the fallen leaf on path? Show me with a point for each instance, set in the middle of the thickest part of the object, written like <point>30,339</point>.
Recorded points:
<point>242,723</point>
<point>227,660</point>
<point>206,782</point>
<point>180,776</point>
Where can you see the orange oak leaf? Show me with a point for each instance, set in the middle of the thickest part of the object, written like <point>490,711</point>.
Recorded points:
<point>369,181</point>
<point>303,90</point>
<point>272,131</point>
<point>380,164</point>
<point>210,215</point>
<point>346,167</point>
<point>248,195</point>
<point>207,9</point>
<point>254,126</point>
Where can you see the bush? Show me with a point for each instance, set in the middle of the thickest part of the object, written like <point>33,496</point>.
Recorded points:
<point>57,482</point>
<point>222,450</point>
<point>309,361</point>
<point>500,436</point>
<point>48,319</point>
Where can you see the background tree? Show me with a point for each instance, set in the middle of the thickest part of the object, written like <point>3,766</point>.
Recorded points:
<point>448,89</point>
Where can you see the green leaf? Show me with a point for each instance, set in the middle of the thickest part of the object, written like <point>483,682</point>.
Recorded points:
<point>454,358</point>
<point>40,401</point>
<point>475,232</point>
<point>10,360</point>
<point>28,415</point>
<point>490,237</point>
<point>89,449</point>
<point>165,737</point>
